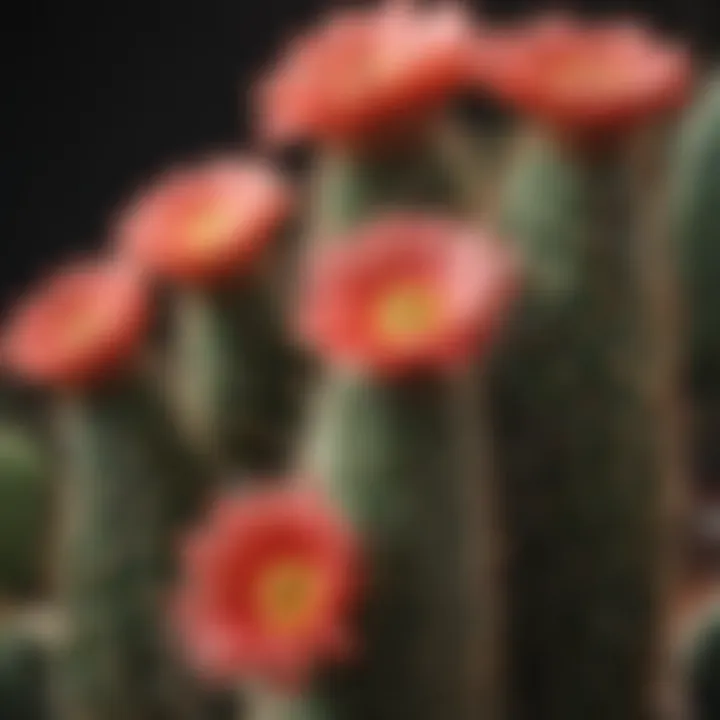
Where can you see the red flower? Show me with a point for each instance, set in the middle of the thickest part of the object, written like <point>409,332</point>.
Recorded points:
<point>363,72</point>
<point>269,585</point>
<point>586,78</point>
<point>82,325</point>
<point>406,293</point>
<point>206,223</point>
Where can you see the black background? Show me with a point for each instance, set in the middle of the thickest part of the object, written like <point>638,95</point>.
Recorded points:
<point>99,94</point>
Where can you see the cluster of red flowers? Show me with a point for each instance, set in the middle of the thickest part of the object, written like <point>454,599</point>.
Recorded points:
<point>271,580</point>
<point>365,72</point>
<point>360,73</point>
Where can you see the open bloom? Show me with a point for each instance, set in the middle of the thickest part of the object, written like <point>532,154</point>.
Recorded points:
<point>586,78</point>
<point>367,72</point>
<point>205,223</point>
<point>270,583</point>
<point>405,293</point>
<point>83,324</point>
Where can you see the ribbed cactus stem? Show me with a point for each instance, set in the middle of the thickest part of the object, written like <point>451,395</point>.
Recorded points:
<point>696,183</point>
<point>24,513</point>
<point>576,402</point>
<point>390,455</point>
<point>350,187</point>
<point>116,561</point>
<point>235,376</point>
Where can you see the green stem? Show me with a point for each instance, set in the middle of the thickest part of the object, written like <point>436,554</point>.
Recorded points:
<point>580,442</point>
<point>235,377</point>
<point>117,560</point>
<point>390,456</point>
<point>351,188</point>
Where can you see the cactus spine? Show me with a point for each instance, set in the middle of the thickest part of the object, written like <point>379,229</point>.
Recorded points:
<point>118,546</point>
<point>579,444</point>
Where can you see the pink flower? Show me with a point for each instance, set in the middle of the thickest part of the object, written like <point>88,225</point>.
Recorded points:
<point>406,293</point>
<point>80,326</point>
<point>364,73</point>
<point>203,224</point>
<point>586,79</point>
<point>270,583</point>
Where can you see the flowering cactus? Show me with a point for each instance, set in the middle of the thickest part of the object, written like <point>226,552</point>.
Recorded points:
<point>270,584</point>
<point>205,229</point>
<point>578,422</point>
<point>395,312</point>
<point>80,335</point>
<point>371,580</point>
<point>368,87</point>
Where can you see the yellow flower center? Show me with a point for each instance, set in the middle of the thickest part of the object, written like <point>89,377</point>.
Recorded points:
<point>288,595</point>
<point>210,229</point>
<point>587,77</point>
<point>407,313</point>
<point>81,332</point>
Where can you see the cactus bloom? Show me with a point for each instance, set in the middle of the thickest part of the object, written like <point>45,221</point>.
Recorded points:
<point>83,324</point>
<point>206,223</point>
<point>586,79</point>
<point>367,72</point>
<point>406,293</point>
<point>270,582</point>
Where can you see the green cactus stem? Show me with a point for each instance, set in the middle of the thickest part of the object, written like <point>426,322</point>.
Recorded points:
<point>392,457</point>
<point>236,377</point>
<point>702,665</point>
<point>24,675</point>
<point>350,187</point>
<point>25,504</point>
<point>576,405</point>
<point>119,543</point>
<point>696,184</point>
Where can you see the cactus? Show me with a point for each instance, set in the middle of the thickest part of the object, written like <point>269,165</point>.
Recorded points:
<point>701,664</point>
<point>697,229</point>
<point>350,187</point>
<point>116,559</point>
<point>579,445</point>
<point>24,513</point>
<point>24,675</point>
<point>390,456</point>
<point>236,376</point>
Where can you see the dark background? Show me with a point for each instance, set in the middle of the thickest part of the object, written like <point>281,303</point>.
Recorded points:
<point>99,94</point>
